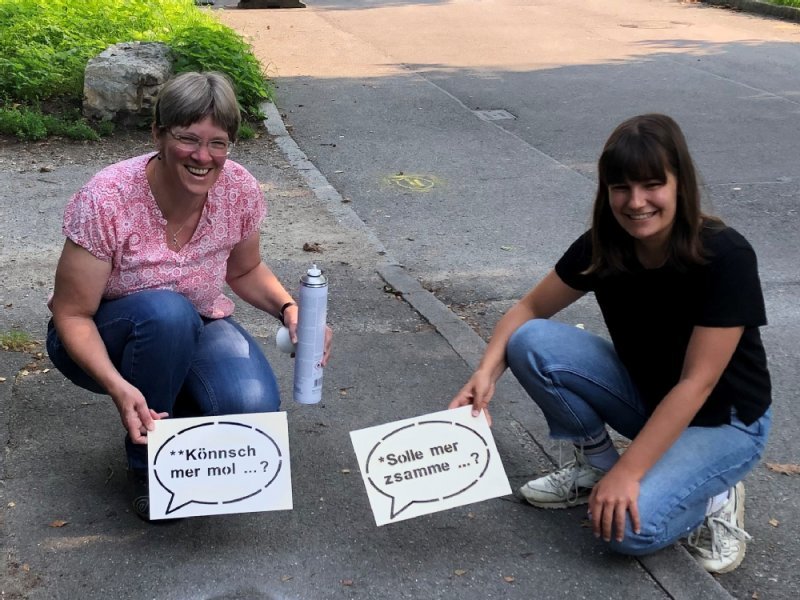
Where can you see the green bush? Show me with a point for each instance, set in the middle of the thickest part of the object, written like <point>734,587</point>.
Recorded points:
<point>22,123</point>
<point>30,124</point>
<point>214,47</point>
<point>60,36</point>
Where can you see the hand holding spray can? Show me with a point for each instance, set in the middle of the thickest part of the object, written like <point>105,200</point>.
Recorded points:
<point>311,322</point>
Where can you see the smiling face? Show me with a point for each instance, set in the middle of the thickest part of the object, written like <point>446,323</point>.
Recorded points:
<point>189,162</point>
<point>646,210</point>
<point>647,205</point>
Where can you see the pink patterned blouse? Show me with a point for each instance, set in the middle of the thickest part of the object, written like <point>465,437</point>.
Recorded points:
<point>116,218</point>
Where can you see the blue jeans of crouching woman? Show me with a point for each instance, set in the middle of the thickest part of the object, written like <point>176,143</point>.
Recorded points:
<point>581,386</point>
<point>182,363</point>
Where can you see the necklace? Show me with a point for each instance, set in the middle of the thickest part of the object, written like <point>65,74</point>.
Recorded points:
<point>154,185</point>
<point>174,235</point>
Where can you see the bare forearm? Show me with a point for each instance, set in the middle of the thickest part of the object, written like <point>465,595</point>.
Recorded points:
<point>548,297</point>
<point>665,425</point>
<point>709,352</point>
<point>84,345</point>
<point>261,288</point>
<point>494,358</point>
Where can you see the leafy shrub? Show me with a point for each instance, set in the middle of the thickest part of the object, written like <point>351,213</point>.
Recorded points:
<point>60,36</point>
<point>23,123</point>
<point>30,124</point>
<point>214,47</point>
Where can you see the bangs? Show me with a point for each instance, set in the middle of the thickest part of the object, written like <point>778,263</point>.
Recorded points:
<point>190,97</point>
<point>633,158</point>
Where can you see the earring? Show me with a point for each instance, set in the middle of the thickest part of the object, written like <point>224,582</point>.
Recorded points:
<point>158,156</point>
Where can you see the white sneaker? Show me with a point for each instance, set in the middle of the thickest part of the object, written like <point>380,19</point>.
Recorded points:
<point>720,542</point>
<point>568,486</point>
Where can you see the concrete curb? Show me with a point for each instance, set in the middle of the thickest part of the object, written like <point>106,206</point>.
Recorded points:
<point>788,13</point>
<point>672,568</point>
<point>315,180</point>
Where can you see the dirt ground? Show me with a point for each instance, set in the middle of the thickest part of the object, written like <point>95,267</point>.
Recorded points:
<point>57,152</point>
<point>47,155</point>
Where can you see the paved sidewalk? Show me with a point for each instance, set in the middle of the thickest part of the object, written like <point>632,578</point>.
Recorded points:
<point>398,353</point>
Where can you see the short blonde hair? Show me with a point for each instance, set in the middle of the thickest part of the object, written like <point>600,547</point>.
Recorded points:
<point>191,97</point>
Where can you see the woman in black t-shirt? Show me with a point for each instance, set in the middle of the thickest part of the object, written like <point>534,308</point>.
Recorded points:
<point>684,377</point>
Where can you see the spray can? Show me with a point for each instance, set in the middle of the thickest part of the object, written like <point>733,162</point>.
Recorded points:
<point>311,321</point>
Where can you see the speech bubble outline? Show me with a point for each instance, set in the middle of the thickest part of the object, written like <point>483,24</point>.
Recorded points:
<point>394,513</point>
<point>170,509</point>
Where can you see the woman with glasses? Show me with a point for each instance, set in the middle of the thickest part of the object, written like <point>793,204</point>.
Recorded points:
<point>138,308</point>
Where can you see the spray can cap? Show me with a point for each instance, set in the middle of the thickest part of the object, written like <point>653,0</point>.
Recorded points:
<point>314,278</point>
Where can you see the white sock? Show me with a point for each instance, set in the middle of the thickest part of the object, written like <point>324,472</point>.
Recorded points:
<point>716,503</point>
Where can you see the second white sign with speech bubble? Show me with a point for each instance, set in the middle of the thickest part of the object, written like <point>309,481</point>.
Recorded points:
<point>429,463</point>
<point>219,465</point>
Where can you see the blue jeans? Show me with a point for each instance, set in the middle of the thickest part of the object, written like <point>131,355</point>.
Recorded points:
<point>183,364</point>
<point>581,386</point>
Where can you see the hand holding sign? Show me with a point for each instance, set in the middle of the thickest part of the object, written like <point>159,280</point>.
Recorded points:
<point>429,463</point>
<point>219,465</point>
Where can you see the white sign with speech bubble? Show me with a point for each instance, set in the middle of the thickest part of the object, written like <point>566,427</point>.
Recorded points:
<point>429,463</point>
<point>219,465</point>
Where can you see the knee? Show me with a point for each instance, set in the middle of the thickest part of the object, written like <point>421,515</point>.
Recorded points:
<point>646,541</point>
<point>168,312</point>
<point>529,344</point>
<point>632,545</point>
<point>264,395</point>
<point>252,396</point>
<point>263,398</point>
<point>524,343</point>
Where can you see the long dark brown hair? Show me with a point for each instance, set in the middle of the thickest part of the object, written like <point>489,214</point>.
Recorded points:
<point>644,148</point>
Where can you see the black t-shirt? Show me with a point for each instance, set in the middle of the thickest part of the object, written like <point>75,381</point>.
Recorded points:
<point>650,314</point>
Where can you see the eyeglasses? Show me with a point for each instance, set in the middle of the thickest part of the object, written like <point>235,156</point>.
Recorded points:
<point>190,143</point>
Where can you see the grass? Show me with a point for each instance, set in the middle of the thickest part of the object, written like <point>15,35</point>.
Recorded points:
<point>41,80</point>
<point>795,3</point>
<point>16,341</point>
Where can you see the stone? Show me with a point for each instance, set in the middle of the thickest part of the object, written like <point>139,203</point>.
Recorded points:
<point>122,82</point>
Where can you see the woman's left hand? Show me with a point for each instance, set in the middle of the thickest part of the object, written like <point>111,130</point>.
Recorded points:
<point>614,496</point>
<point>290,322</point>
<point>326,354</point>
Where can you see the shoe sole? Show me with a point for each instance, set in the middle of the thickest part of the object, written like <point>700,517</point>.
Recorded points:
<point>564,504</point>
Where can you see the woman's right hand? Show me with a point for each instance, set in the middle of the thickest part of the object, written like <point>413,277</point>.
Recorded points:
<point>137,417</point>
<point>478,391</point>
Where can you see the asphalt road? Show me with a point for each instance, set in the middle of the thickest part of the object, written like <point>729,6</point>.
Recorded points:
<point>386,98</point>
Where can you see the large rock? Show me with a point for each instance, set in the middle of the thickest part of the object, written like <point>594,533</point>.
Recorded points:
<point>122,82</point>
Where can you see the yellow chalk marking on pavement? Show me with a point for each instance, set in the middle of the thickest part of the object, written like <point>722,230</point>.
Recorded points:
<point>415,183</point>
